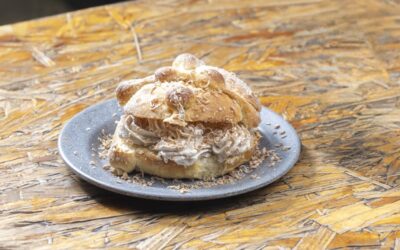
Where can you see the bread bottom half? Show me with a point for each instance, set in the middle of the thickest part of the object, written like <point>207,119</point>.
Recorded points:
<point>128,157</point>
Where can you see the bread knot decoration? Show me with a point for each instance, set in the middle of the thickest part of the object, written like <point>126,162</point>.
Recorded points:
<point>190,91</point>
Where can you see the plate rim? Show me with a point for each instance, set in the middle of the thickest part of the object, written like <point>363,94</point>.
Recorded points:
<point>165,197</point>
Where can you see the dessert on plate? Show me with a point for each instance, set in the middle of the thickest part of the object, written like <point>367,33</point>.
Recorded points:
<point>188,120</point>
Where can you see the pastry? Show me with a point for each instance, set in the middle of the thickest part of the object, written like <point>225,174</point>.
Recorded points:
<point>188,120</point>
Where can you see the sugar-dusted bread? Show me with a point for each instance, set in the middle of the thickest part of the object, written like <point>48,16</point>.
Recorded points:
<point>182,96</point>
<point>203,89</point>
<point>157,101</point>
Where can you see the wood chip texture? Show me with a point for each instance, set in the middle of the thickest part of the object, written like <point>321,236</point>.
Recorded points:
<point>330,67</point>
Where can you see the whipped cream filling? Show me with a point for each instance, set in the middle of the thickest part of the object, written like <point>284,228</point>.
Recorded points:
<point>231,142</point>
<point>185,149</point>
<point>185,145</point>
<point>136,134</point>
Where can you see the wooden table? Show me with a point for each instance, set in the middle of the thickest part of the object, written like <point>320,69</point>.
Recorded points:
<point>332,68</point>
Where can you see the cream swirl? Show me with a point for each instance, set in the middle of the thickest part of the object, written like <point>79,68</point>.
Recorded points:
<point>136,134</point>
<point>232,142</point>
<point>185,145</point>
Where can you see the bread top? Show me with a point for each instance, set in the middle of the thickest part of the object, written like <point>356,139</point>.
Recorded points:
<point>190,91</point>
<point>176,103</point>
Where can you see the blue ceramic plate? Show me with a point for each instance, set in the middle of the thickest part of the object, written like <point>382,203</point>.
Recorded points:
<point>80,136</point>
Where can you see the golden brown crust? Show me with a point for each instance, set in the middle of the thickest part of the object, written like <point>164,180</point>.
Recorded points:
<point>152,102</point>
<point>251,117</point>
<point>166,74</point>
<point>187,62</point>
<point>206,77</point>
<point>221,95</point>
<point>234,84</point>
<point>127,89</point>
<point>128,157</point>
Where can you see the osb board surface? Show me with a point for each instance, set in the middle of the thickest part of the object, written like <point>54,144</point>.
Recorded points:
<point>332,68</point>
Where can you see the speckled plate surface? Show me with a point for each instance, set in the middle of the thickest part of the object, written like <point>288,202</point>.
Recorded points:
<point>80,136</point>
